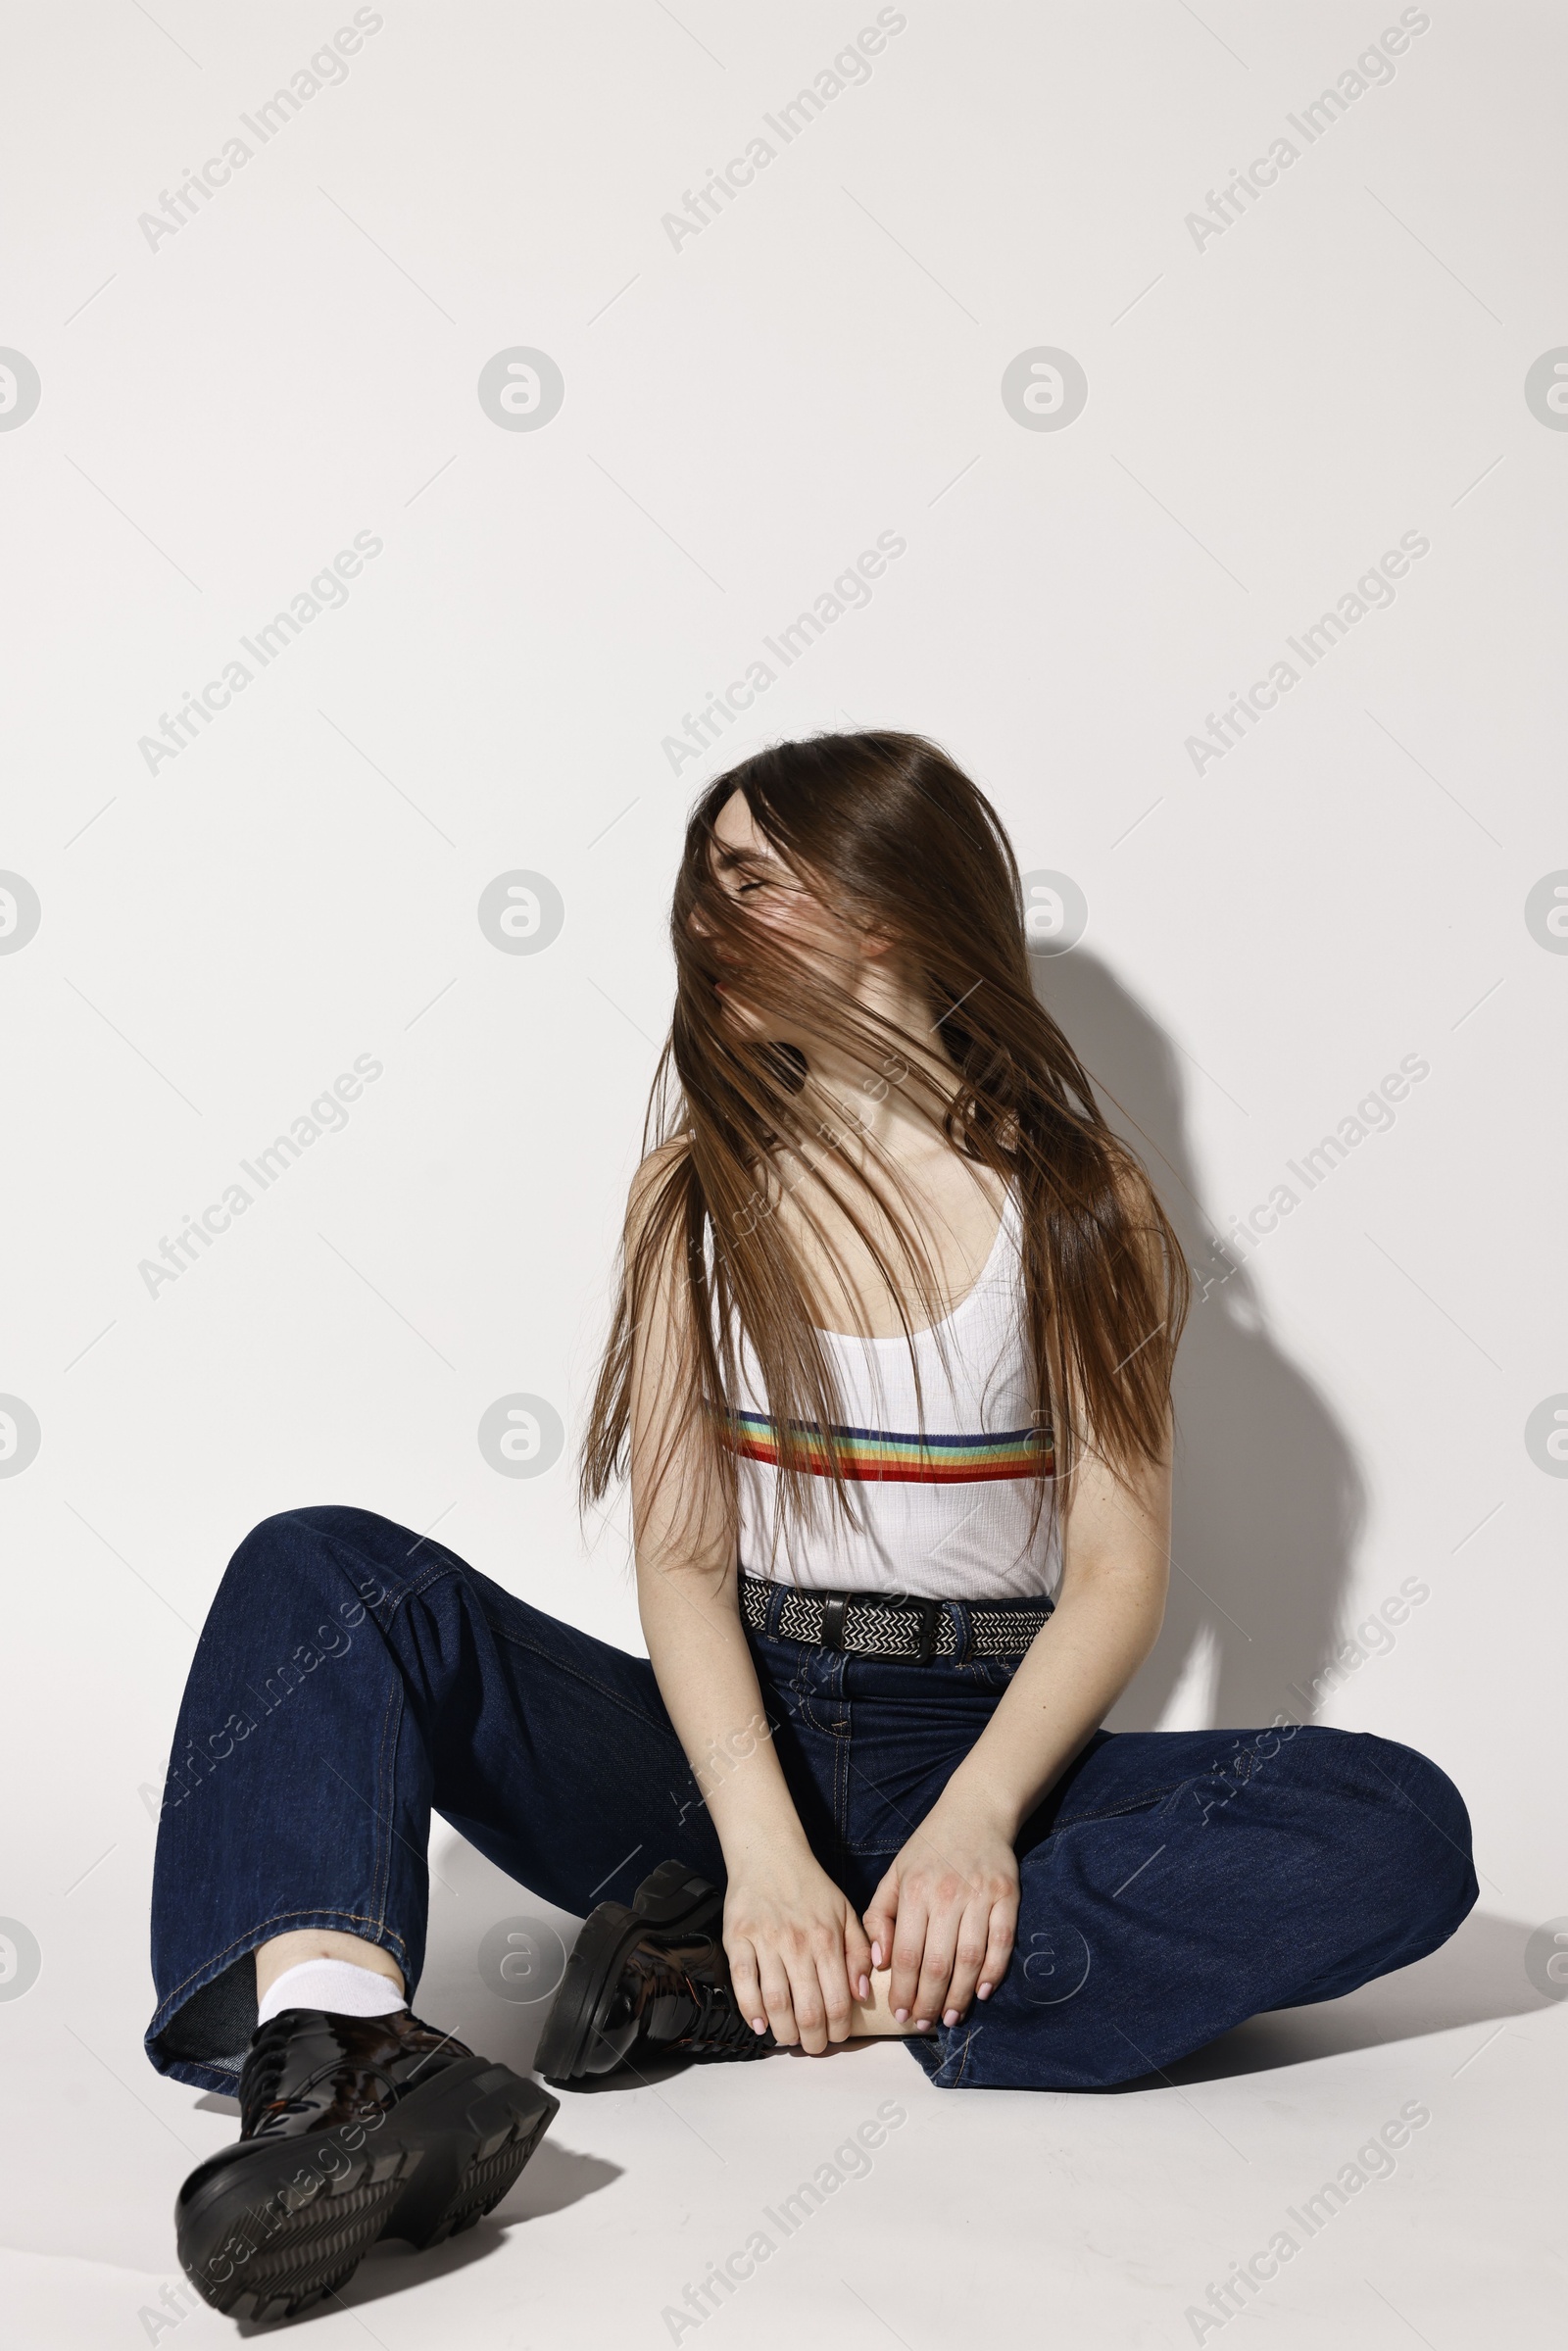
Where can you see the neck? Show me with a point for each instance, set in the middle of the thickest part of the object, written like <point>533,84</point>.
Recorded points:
<point>886,1106</point>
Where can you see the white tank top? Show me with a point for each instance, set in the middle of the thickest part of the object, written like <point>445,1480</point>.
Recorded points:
<point>942,1513</point>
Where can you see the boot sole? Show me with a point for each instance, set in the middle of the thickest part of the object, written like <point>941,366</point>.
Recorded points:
<point>669,1898</point>
<point>277,2228</point>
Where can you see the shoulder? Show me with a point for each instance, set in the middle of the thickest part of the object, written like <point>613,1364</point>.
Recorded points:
<point>1129,1180</point>
<point>1145,1229</point>
<point>1119,1208</point>
<point>649,1180</point>
<point>1114,1180</point>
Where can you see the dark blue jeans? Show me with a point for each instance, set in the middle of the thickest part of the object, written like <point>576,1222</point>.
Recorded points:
<point>352,1677</point>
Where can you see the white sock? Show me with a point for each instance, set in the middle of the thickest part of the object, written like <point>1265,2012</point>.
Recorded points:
<point>335,1983</point>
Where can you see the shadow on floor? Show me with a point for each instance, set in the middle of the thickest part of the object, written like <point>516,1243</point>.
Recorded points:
<point>1477,1978</point>
<point>555,2177</point>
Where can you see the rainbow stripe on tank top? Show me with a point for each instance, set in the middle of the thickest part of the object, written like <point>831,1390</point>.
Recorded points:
<point>877,1456</point>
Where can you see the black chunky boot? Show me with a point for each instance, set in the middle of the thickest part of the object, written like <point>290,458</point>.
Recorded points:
<point>649,1982</point>
<point>351,2129</point>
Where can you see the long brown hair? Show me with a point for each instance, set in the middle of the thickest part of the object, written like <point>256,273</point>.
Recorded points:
<point>887,832</point>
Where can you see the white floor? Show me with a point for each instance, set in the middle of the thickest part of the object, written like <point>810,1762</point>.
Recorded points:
<point>983,2215</point>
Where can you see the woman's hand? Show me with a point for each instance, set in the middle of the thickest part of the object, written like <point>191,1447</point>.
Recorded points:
<point>797,1950</point>
<point>945,1916</point>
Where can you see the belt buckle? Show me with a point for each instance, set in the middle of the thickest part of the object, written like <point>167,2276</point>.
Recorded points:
<point>930,1615</point>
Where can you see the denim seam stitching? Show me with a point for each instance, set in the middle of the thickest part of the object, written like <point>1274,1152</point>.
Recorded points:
<point>416,1584</point>
<point>808,1714</point>
<point>422,1580</point>
<point>841,1754</point>
<point>383,1775</point>
<point>803,1710</point>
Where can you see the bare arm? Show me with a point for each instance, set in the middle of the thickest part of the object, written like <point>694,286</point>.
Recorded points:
<point>1115,1571</point>
<point>947,1911</point>
<point>794,1942</point>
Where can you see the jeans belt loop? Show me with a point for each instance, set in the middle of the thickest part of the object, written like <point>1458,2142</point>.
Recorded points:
<point>834,1604</point>
<point>966,1627</point>
<point>930,1612</point>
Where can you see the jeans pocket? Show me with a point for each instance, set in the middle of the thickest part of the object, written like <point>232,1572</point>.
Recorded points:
<point>992,1673</point>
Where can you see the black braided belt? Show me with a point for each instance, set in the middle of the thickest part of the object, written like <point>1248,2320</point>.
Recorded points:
<point>870,1627</point>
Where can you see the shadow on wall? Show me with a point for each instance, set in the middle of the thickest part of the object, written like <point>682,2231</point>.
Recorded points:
<point>1269,1500</point>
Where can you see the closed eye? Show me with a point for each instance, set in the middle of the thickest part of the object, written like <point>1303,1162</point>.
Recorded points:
<point>743,870</point>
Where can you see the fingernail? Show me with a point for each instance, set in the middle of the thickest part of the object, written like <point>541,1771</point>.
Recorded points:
<point>984,1992</point>
<point>901,2016</point>
<point>922,2024</point>
<point>759,2024</point>
<point>949,2016</point>
<point>876,1954</point>
<point>864,1988</point>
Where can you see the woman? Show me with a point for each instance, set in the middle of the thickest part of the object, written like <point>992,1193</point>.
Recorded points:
<point>891,1372</point>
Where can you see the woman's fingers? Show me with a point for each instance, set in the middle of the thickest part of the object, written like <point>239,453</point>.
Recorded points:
<point>999,1945</point>
<point>931,1997</point>
<point>858,1957</point>
<point>748,1991</point>
<point>969,1957</point>
<point>806,1994</point>
<point>837,1991</point>
<point>777,1998</point>
<point>881,1920</point>
<point>908,1951</point>
<point>799,1963</point>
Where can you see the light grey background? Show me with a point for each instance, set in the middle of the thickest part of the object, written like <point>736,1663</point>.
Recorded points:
<point>221,410</point>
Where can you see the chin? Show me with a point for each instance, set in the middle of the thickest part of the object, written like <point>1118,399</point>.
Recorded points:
<point>737,1013</point>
